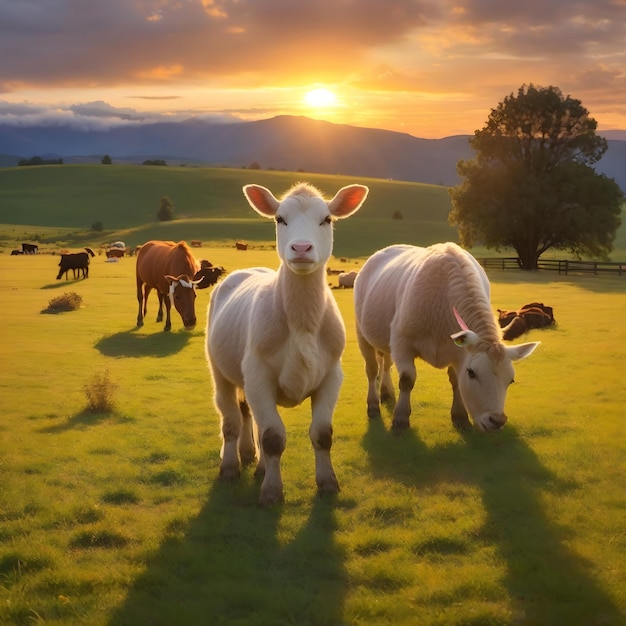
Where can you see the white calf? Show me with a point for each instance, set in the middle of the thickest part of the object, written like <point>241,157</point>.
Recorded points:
<point>276,337</point>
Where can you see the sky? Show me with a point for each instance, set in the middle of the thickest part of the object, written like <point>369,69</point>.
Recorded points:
<point>430,68</point>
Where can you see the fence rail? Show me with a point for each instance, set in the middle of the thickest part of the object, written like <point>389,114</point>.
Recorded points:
<point>561,266</point>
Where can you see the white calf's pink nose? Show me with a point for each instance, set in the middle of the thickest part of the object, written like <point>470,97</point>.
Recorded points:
<point>301,248</point>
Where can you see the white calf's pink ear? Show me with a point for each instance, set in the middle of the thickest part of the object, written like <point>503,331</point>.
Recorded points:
<point>465,338</point>
<point>261,199</point>
<point>348,200</point>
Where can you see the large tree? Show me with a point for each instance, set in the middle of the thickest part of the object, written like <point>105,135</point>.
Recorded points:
<point>532,185</point>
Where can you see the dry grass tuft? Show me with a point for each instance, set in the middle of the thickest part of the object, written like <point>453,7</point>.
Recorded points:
<point>66,302</point>
<point>99,392</point>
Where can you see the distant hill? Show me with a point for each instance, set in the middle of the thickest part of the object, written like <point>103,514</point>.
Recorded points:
<point>283,142</point>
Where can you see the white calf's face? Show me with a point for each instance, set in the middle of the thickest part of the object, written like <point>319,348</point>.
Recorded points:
<point>304,233</point>
<point>304,221</point>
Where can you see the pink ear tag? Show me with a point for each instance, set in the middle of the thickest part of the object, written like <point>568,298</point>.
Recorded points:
<point>459,319</point>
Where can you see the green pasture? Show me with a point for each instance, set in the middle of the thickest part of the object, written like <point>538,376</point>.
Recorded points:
<point>56,206</point>
<point>120,519</point>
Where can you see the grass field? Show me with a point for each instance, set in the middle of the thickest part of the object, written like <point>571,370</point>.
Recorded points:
<point>119,518</point>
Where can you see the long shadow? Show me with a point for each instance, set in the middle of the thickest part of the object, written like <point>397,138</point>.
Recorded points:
<point>227,566</point>
<point>547,582</point>
<point>63,283</point>
<point>131,344</point>
<point>84,419</point>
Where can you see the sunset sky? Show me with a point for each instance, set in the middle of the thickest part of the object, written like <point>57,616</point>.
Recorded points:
<point>431,68</point>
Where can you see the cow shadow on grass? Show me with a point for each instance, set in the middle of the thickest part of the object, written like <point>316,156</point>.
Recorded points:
<point>232,565</point>
<point>547,582</point>
<point>133,344</point>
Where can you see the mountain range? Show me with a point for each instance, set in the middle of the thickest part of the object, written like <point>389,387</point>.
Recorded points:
<point>284,142</point>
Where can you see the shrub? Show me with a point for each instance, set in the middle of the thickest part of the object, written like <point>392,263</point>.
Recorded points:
<point>67,302</point>
<point>99,392</point>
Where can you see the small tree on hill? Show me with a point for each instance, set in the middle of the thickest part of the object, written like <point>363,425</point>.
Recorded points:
<point>532,186</point>
<point>106,160</point>
<point>166,210</point>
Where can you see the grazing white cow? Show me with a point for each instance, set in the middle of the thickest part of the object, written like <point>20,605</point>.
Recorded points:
<point>276,338</point>
<point>410,303</point>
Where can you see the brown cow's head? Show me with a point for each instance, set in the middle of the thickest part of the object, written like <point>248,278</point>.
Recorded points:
<point>183,296</point>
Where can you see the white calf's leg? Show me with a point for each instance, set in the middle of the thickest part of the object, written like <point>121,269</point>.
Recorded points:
<point>323,402</point>
<point>227,405</point>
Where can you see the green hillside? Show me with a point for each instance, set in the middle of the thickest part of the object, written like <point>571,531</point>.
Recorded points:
<point>208,202</point>
<point>56,206</point>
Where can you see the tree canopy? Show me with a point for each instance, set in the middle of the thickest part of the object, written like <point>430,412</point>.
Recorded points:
<point>532,185</point>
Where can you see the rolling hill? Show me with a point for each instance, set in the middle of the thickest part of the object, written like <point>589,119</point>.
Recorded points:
<point>281,143</point>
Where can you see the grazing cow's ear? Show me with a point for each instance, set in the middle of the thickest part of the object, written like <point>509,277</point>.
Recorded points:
<point>465,338</point>
<point>262,200</point>
<point>522,350</point>
<point>348,200</point>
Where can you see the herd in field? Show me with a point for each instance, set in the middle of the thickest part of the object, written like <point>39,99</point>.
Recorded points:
<point>275,337</point>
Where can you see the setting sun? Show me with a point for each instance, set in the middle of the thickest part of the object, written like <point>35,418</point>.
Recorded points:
<point>321,97</point>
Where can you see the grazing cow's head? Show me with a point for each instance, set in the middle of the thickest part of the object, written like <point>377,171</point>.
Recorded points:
<point>183,296</point>
<point>485,375</point>
<point>304,231</point>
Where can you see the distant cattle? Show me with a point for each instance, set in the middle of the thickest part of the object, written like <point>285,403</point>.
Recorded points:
<point>169,268</point>
<point>30,248</point>
<point>115,253</point>
<point>346,279</point>
<point>16,252</point>
<point>118,244</point>
<point>208,274</point>
<point>241,245</point>
<point>77,262</point>
<point>533,315</point>
<point>195,243</point>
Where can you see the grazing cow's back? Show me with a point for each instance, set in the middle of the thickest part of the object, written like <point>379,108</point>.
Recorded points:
<point>169,268</point>
<point>405,300</point>
<point>276,337</point>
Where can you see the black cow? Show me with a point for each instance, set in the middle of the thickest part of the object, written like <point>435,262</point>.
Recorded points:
<point>30,248</point>
<point>208,274</point>
<point>77,262</point>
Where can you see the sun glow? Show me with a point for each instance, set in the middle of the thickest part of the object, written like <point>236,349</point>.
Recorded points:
<point>320,98</point>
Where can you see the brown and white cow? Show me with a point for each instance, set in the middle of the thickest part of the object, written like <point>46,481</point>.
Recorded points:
<point>169,268</point>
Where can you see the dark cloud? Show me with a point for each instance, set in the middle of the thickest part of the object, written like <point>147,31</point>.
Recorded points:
<point>477,51</point>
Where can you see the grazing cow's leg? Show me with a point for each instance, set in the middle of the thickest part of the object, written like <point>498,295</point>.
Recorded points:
<point>160,311</point>
<point>387,393</point>
<point>247,448</point>
<point>168,306</point>
<point>371,371</point>
<point>142,307</point>
<point>458,411</point>
<point>323,402</point>
<point>406,371</point>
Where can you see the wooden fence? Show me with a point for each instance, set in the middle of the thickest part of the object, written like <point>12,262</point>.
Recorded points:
<point>560,266</point>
